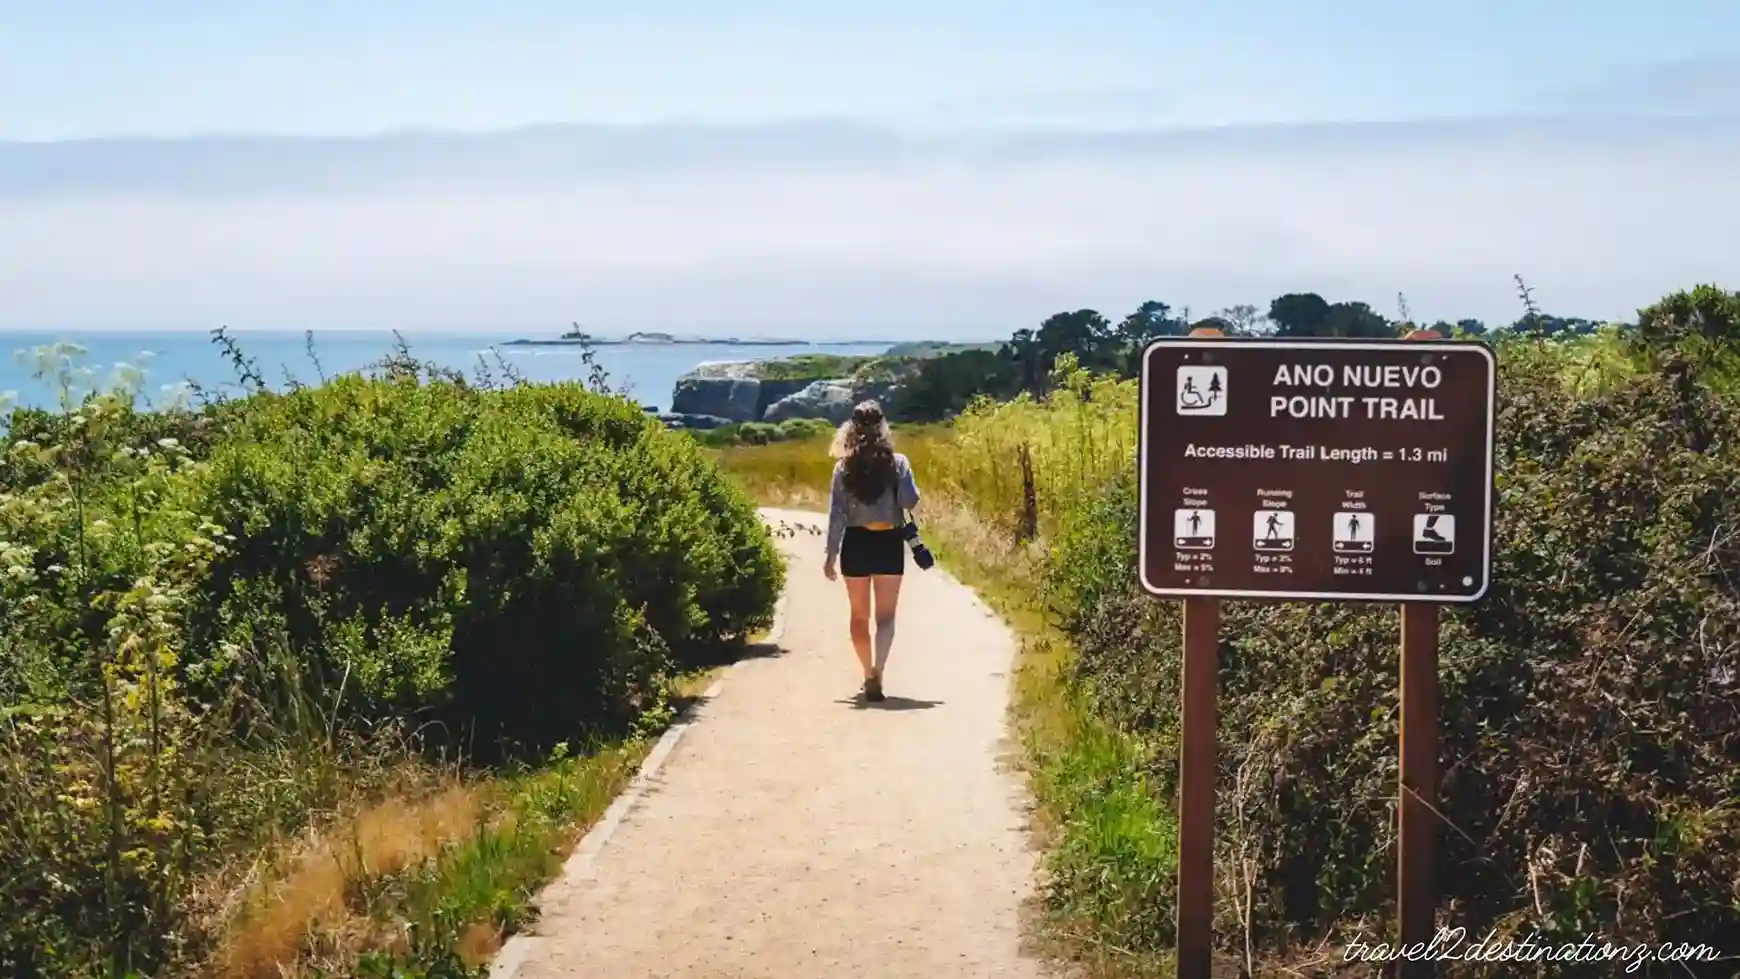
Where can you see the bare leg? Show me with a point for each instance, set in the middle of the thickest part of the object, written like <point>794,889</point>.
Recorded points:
<point>858,592</point>
<point>887,591</point>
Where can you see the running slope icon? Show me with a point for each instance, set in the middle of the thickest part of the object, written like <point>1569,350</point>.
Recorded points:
<point>1272,530</point>
<point>1193,530</point>
<point>1353,533</point>
<point>1201,390</point>
<point>1434,533</point>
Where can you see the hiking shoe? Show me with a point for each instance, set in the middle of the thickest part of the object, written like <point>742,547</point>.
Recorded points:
<point>873,690</point>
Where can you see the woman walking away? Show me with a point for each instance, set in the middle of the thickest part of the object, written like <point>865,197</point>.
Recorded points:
<point>873,488</point>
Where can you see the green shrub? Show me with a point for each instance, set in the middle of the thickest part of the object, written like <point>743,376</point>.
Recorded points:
<point>1590,747</point>
<point>217,623</point>
<point>525,563</point>
<point>763,433</point>
<point>757,433</point>
<point>802,428</point>
<point>714,438</point>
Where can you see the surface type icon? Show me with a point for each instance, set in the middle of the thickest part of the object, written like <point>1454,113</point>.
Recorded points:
<point>1353,533</point>
<point>1193,530</point>
<point>1201,390</point>
<point>1434,533</point>
<point>1272,530</point>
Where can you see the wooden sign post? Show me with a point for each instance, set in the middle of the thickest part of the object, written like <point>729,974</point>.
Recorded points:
<point>1363,471</point>
<point>1417,781</point>
<point>1416,829</point>
<point>1198,719</point>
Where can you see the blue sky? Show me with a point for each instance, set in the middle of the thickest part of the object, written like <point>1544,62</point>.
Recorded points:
<point>77,68</point>
<point>693,209</point>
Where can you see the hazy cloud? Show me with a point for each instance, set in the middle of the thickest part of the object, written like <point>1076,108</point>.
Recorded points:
<point>830,227</point>
<point>1693,85</point>
<point>1077,107</point>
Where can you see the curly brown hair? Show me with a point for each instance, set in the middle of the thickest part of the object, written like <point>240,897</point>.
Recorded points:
<point>865,449</point>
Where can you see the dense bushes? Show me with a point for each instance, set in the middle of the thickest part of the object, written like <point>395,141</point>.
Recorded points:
<point>1590,737</point>
<point>211,619</point>
<point>530,560</point>
<point>764,433</point>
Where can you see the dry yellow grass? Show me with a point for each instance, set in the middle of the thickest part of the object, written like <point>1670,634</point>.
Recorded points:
<point>480,943</point>
<point>468,850</point>
<point>315,902</point>
<point>796,474</point>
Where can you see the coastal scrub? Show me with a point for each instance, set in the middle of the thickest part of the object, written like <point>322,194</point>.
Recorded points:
<point>238,635</point>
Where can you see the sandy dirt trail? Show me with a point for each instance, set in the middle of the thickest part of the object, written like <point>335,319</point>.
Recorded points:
<point>796,833</point>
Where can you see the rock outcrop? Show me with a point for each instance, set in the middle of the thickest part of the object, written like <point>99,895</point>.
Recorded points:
<point>737,392</point>
<point>832,399</point>
<point>731,391</point>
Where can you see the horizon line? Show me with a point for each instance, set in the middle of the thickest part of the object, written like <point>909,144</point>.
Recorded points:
<point>891,126</point>
<point>722,335</point>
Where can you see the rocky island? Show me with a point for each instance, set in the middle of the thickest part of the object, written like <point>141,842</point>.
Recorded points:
<point>578,337</point>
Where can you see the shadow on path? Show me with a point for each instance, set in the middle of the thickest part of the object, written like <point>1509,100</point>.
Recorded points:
<point>728,653</point>
<point>889,703</point>
<point>722,657</point>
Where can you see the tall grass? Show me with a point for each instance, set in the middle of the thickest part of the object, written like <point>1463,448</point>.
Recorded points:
<point>426,883</point>
<point>1076,438</point>
<point>797,472</point>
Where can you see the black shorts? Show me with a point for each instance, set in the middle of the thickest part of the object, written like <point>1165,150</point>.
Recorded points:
<point>865,552</point>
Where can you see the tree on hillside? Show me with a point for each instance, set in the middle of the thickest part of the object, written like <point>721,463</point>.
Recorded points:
<point>1355,320</point>
<point>1246,320</point>
<point>1031,354</point>
<point>1027,358</point>
<point>1299,314</point>
<point>1084,333</point>
<point>1469,328</point>
<point>1150,320</point>
<point>1703,325</point>
<point>946,385</point>
<point>1310,315</point>
<point>1706,312</point>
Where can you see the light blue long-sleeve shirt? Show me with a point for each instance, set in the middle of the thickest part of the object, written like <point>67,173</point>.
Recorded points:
<point>846,510</point>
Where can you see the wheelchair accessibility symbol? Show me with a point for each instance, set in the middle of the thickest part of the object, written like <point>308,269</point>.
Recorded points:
<point>1201,390</point>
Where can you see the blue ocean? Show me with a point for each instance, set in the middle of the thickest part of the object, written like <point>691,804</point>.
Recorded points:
<point>168,359</point>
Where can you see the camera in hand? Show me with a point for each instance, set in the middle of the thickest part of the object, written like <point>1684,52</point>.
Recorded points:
<point>921,555</point>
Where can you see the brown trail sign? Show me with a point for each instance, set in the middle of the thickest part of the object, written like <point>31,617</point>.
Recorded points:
<point>1317,470</point>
